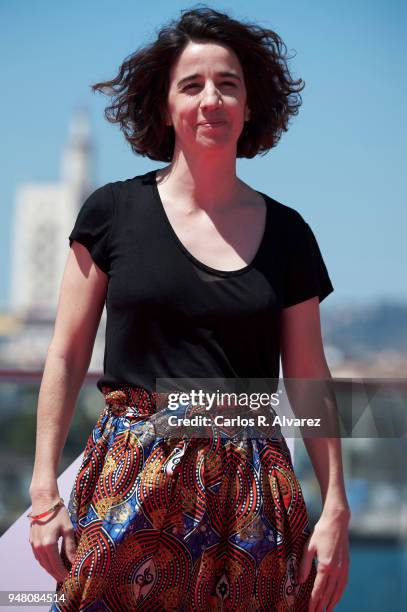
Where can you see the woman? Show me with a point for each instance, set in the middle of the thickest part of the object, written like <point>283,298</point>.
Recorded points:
<point>203,277</point>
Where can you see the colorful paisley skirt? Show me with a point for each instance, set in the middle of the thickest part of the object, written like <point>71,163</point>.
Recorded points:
<point>197,524</point>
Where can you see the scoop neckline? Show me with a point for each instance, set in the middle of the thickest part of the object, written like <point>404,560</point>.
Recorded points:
<point>196,261</point>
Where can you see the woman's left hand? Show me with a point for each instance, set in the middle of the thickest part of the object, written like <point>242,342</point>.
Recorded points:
<point>329,542</point>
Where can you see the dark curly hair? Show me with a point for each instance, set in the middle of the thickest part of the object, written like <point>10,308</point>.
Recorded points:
<point>140,89</point>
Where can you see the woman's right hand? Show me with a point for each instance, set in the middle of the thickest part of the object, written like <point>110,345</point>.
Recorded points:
<point>44,536</point>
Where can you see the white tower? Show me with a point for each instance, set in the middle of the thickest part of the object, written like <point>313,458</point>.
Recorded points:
<point>76,158</point>
<point>44,216</point>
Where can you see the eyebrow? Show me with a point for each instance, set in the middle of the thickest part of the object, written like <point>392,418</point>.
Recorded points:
<point>191,77</point>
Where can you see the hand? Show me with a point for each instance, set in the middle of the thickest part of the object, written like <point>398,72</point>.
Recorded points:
<point>330,543</point>
<point>44,536</point>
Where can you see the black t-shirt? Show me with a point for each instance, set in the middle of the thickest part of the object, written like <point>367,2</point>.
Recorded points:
<point>170,315</point>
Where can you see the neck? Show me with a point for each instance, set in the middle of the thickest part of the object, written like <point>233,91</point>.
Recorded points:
<point>205,181</point>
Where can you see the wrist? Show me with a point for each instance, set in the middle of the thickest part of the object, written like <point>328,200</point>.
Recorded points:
<point>36,515</point>
<point>338,512</point>
<point>44,493</point>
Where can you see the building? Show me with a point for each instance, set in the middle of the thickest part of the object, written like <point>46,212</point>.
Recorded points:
<point>44,217</point>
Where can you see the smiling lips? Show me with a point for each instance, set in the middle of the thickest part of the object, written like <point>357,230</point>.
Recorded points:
<point>211,124</point>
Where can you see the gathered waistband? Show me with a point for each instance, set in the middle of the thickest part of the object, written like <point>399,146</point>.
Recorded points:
<point>126,398</point>
<point>138,403</point>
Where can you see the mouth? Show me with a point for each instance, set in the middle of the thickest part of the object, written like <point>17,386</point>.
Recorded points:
<point>211,124</point>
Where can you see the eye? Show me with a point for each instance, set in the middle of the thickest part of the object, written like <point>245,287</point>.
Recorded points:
<point>190,86</point>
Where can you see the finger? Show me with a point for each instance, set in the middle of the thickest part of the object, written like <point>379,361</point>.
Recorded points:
<point>58,569</point>
<point>317,591</point>
<point>321,602</point>
<point>305,567</point>
<point>42,558</point>
<point>306,562</point>
<point>313,603</point>
<point>330,591</point>
<point>65,560</point>
<point>319,607</point>
<point>39,547</point>
<point>69,544</point>
<point>337,595</point>
<point>38,553</point>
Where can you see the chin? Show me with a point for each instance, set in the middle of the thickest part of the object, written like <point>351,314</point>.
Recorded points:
<point>216,141</point>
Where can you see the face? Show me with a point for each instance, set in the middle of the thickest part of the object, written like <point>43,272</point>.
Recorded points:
<point>207,97</point>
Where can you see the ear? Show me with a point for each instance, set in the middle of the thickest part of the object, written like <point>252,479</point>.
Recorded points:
<point>247,114</point>
<point>167,119</point>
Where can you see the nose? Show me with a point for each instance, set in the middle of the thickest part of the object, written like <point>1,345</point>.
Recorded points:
<point>211,97</point>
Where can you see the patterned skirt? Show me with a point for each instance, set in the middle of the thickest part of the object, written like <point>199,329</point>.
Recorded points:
<point>197,524</point>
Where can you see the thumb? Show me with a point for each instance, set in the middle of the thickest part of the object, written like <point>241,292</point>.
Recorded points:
<point>306,561</point>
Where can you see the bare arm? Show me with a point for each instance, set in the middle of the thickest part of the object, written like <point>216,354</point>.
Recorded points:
<point>302,356</point>
<point>80,306</point>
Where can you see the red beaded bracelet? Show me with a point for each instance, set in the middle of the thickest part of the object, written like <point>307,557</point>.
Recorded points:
<point>60,502</point>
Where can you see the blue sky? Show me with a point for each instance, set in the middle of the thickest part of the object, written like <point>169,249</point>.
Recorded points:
<point>339,165</point>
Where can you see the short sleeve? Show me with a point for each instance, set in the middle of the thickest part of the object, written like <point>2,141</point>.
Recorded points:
<point>304,271</point>
<point>93,225</point>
